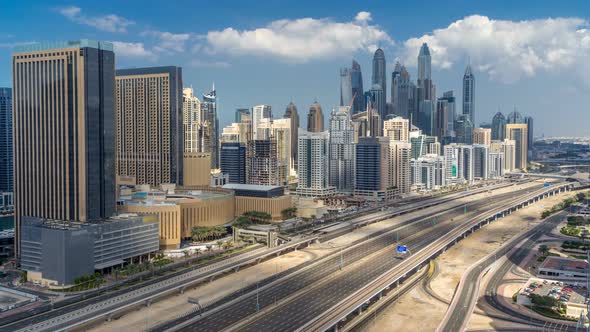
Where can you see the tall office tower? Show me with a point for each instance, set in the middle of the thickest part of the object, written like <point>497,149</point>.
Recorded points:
<point>209,134</point>
<point>482,136</point>
<point>469,94</point>
<point>366,123</point>
<point>232,161</point>
<point>424,144</point>
<point>315,118</point>
<point>466,162</point>
<point>514,117</point>
<point>278,130</point>
<point>263,162</point>
<point>377,100</point>
<point>6,164</point>
<point>241,115</point>
<point>427,172</point>
<point>260,112</point>
<point>149,124</point>
<point>400,153</point>
<point>481,161</point>
<point>341,150</point>
<point>63,143</point>
<point>356,78</point>
<point>345,86</point>
<point>444,118</point>
<point>402,92</point>
<point>291,113</point>
<point>191,118</point>
<point>464,130</point>
<point>518,132</point>
<point>451,156</point>
<point>237,132</point>
<point>499,127</point>
<point>424,82</point>
<point>372,169</point>
<point>426,117</point>
<point>397,129</point>
<point>507,148</point>
<point>496,164</point>
<point>530,141</point>
<point>313,163</point>
<point>395,74</point>
<point>379,78</point>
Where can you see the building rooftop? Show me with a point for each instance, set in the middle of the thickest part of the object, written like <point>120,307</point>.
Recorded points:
<point>255,187</point>
<point>160,198</point>
<point>64,44</point>
<point>564,264</point>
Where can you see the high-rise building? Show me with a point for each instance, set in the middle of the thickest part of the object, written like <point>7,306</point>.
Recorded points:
<point>341,150</point>
<point>482,136</point>
<point>232,161</point>
<point>356,78</point>
<point>530,140</point>
<point>444,118</point>
<point>63,147</point>
<point>313,164</point>
<point>372,169</point>
<point>400,153</point>
<point>191,118</point>
<point>499,127</point>
<point>496,164</point>
<point>514,117</point>
<point>379,79</point>
<point>424,82</point>
<point>481,161</point>
<point>464,130</point>
<point>345,87</point>
<point>259,112</point>
<point>376,100</point>
<point>263,164</point>
<point>466,162</point>
<point>291,113</point>
<point>518,132</point>
<point>237,132</point>
<point>427,172</point>
<point>424,144</point>
<point>209,134</point>
<point>402,90</point>
<point>426,117</point>
<point>315,118</point>
<point>241,115</point>
<point>150,140</point>
<point>452,157</point>
<point>6,164</point>
<point>397,129</point>
<point>507,149</point>
<point>469,94</point>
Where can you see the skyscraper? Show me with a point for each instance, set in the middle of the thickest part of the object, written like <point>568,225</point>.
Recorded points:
<point>377,100</point>
<point>260,112</point>
<point>341,150</point>
<point>356,78</point>
<point>191,118</point>
<point>313,164</point>
<point>379,78</point>
<point>6,164</point>
<point>530,141</point>
<point>150,140</point>
<point>401,91</point>
<point>241,114</point>
<point>444,118</point>
<point>372,169</point>
<point>397,129</point>
<point>400,153</point>
<point>469,94</point>
<point>232,161</point>
<point>481,165</point>
<point>464,130</point>
<point>424,82</point>
<point>514,117</point>
<point>345,87</point>
<point>64,146</point>
<point>292,114</point>
<point>426,117</point>
<point>499,127</point>
<point>315,118</point>
<point>263,162</point>
<point>209,134</point>
<point>482,136</point>
<point>518,132</point>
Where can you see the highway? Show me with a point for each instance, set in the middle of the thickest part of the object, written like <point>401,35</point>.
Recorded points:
<point>311,300</point>
<point>107,304</point>
<point>464,301</point>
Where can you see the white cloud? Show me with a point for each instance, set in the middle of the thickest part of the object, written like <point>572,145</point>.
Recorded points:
<point>168,42</point>
<point>109,23</point>
<point>215,64</point>
<point>133,50</point>
<point>300,40</point>
<point>506,50</point>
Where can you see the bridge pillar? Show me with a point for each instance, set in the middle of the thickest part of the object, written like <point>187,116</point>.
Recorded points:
<point>211,278</point>
<point>278,254</point>
<point>360,310</point>
<point>110,318</point>
<point>148,303</point>
<point>236,269</point>
<point>182,290</point>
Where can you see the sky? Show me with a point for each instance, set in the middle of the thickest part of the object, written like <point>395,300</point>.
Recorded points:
<point>530,55</point>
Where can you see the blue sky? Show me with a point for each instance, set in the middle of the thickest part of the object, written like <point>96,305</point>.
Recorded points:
<point>533,55</point>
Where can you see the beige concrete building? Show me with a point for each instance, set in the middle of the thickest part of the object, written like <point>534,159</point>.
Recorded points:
<point>398,129</point>
<point>508,149</point>
<point>149,126</point>
<point>518,132</point>
<point>197,169</point>
<point>191,119</point>
<point>482,136</point>
<point>400,155</point>
<point>270,205</point>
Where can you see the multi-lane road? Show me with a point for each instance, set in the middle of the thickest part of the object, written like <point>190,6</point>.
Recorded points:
<point>289,303</point>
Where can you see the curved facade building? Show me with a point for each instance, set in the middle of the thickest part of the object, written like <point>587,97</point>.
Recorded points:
<point>315,118</point>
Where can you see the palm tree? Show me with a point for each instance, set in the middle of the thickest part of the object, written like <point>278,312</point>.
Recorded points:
<point>198,251</point>
<point>219,244</point>
<point>543,249</point>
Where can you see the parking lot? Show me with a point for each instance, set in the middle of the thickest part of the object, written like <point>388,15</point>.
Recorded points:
<point>566,292</point>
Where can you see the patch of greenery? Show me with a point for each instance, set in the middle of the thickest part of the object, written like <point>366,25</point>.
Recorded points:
<point>570,231</point>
